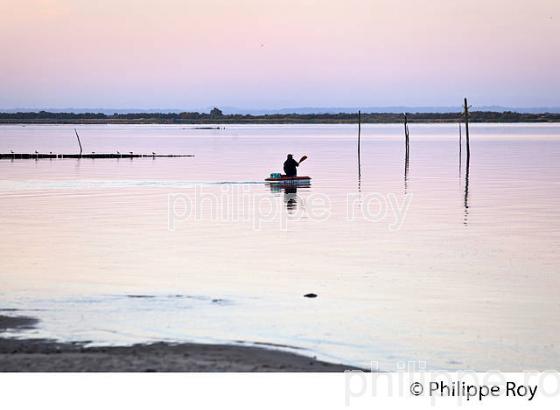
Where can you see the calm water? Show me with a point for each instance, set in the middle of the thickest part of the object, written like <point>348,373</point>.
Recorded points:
<point>415,269</point>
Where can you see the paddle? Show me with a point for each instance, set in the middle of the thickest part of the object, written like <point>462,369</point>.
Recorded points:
<point>303,159</point>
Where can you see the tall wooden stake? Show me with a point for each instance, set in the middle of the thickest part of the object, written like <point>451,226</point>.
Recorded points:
<point>359,144</point>
<point>406,133</point>
<point>359,130</point>
<point>79,142</point>
<point>467,164</point>
<point>467,130</point>
<point>406,152</point>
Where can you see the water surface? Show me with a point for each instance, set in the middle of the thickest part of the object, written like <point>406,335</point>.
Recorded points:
<point>466,277</point>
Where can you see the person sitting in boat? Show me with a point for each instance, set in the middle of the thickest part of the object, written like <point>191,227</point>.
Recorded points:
<point>290,166</point>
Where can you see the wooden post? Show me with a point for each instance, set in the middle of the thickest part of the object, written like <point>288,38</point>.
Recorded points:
<point>467,164</point>
<point>406,152</point>
<point>467,130</point>
<point>79,142</point>
<point>406,133</point>
<point>359,131</point>
<point>359,144</point>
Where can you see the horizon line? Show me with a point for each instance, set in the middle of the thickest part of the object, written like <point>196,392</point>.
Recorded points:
<point>231,110</point>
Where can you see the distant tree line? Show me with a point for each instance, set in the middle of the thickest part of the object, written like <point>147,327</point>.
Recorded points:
<point>216,116</point>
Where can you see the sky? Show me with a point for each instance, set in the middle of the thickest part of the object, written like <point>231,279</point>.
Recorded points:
<point>278,53</point>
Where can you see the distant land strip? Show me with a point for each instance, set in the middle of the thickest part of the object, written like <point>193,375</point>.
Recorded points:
<point>44,117</point>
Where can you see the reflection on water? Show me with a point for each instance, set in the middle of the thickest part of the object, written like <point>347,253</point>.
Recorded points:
<point>290,191</point>
<point>460,149</point>
<point>457,292</point>
<point>406,165</point>
<point>406,152</point>
<point>290,198</point>
<point>466,202</point>
<point>359,176</point>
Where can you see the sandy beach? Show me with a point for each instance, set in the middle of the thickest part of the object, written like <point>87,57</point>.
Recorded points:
<point>32,355</point>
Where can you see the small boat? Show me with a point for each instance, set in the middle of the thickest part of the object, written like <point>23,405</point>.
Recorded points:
<point>283,179</point>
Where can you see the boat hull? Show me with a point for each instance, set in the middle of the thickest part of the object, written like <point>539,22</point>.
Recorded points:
<point>288,180</point>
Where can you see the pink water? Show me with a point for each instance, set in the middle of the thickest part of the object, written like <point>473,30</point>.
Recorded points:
<point>430,273</point>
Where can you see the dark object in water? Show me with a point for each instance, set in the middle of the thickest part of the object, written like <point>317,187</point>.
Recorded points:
<point>310,295</point>
<point>16,322</point>
<point>140,296</point>
<point>285,179</point>
<point>91,156</point>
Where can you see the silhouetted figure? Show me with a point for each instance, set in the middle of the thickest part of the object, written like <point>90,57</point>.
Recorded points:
<point>290,166</point>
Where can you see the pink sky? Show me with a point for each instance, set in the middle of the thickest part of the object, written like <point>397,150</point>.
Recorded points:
<point>278,53</point>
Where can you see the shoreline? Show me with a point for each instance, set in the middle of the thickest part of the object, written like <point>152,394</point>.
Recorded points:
<point>42,355</point>
<point>204,120</point>
<point>209,125</point>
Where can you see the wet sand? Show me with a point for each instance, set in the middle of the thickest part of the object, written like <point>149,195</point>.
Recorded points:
<point>32,355</point>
